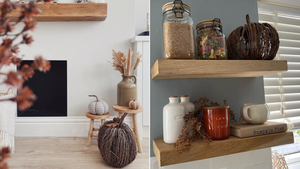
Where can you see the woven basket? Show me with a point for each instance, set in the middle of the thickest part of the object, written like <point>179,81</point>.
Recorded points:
<point>253,41</point>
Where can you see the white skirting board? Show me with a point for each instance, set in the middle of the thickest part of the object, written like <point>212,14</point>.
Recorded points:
<point>71,126</point>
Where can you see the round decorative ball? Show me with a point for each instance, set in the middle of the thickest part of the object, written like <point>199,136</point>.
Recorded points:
<point>253,41</point>
<point>98,107</point>
<point>116,143</point>
<point>133,104</point>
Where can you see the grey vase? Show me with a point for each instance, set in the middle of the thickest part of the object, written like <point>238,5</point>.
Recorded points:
<point>127,90</point>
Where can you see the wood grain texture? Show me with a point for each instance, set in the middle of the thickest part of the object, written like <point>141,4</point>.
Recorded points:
<point>95,116</point>
<point>182,69</point>
<point>103,117</point>
<point>122,109</point>
<point>166,154</point>
<point>70,12</point>
<point>65,153</point>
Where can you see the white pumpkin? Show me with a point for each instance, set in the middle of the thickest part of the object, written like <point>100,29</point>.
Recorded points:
<point>98,107</point>
<point>133,104</point>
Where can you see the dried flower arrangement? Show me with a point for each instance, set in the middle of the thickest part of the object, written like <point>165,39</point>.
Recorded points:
<point>193,123</point>
<point>9,49</point>
<point>4,155</point>
<point>123,63</point>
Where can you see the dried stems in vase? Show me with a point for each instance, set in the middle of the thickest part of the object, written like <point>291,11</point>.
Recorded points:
<point>123,63</point>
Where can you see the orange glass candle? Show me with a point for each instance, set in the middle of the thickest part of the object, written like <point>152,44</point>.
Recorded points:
<point>216,122</point>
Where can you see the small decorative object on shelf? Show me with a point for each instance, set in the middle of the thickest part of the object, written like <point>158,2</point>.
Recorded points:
<point>133,104</point>
<point>253,41</point>
<point>244,130</point>
<point>179,39</point>
<point>188,106</point>
<point>116,143</point>
<point>255,113</point>
<point>216,122</point>
<point>98,106</point>
<point>211,40</point>
<point>173,120</point>
<point>278,161</point>
<point>193,123</point>
<point>127,88</point>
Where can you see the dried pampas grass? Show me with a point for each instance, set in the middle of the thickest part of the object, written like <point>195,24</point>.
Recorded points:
<point>123,63</point>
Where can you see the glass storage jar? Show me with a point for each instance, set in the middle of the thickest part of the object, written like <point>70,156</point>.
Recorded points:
<point>211,40</point>
<point>178,31</point>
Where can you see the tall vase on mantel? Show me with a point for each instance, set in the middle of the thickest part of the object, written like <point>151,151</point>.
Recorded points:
<point>127,90</point>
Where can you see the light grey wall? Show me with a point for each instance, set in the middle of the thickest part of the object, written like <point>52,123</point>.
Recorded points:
<point>237,91</point>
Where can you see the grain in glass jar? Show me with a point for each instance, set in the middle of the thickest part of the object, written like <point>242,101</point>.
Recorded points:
<point>211,40</point>
<point>178,31</point>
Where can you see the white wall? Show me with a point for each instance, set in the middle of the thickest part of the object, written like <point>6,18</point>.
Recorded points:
<point>141,10</point>
<point>87,46</point>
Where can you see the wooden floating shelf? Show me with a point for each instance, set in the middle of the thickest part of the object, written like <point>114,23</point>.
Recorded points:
<point>70,12</point>
<point>183,69</point>
<point>166,154</point>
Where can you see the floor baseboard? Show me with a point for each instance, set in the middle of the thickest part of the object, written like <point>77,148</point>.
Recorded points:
<point>71,126</point>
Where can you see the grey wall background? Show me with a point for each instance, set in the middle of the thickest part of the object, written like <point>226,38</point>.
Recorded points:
<point>237,91</point>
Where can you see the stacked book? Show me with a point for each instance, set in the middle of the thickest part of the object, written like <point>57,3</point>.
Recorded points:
<point>243,129</point>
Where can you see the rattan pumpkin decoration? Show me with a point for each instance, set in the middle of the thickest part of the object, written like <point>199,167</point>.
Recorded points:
<point>134,105</point>
<point>98,107</point>
<point>253,41</point>
<point>116,143</point>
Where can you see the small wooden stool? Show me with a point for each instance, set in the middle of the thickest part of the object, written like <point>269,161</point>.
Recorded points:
<point>122,110</point>
<point>92,117</point>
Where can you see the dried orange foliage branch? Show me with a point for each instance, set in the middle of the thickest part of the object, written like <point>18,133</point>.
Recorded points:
<point>9,49</point>
<point>4,155</point>
<point>193,125</point>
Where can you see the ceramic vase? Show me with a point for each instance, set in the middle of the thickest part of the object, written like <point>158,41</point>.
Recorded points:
<point>127,90</point>
<point>172,120</point>
<point>188,106</point>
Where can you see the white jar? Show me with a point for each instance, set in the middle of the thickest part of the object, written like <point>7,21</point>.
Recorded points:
<point>188,106</point>
<point>173,120</point>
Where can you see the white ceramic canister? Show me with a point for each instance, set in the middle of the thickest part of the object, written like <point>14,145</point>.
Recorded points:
<point>188,106</point>
<point>172,120</point>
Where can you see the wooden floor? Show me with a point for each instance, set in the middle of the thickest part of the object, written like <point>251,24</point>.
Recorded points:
<point>65,153</point>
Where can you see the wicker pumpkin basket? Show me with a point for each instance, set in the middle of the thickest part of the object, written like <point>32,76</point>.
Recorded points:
<point>253,41</point>
<point>116,143</point>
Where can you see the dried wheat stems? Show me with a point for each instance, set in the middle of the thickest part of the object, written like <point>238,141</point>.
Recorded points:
<point>123,63</point>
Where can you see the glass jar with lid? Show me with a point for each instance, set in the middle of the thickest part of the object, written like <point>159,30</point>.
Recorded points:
<point>178,31</point>
<point>211,40</point>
